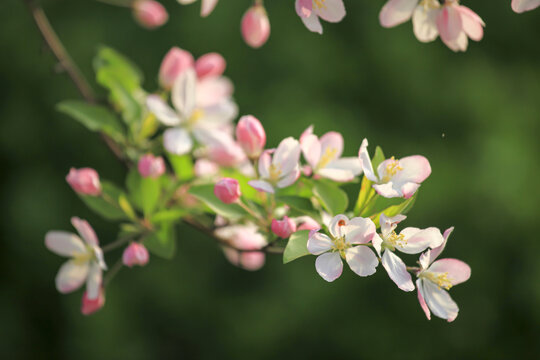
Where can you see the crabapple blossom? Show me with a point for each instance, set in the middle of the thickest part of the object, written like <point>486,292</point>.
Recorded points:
<point>151,166</point>
<point>243,241</point>
<point>409,241</point>
<point>255,26</point>
<point>207,6</point>
<point>306,223</point>
<point>227,190</point>
<point>311,10</point>
<point>250,135</point>
<point>284,227</point>
<point>210,65</point>
<point>205,168</point>
<point>135,254</point>
<point>436,277</point>
<point>90,306</point>
<point>324,156</point>
<point>520,6</point>
<point>150,14</point>
<point>222,149</point>
<point>456,23</point>
<point>174,63</point>
<point>344,235</point>
<point>278,168</point>
<point>86,263</point>
<point>395,178</point>
<point>84,181</point>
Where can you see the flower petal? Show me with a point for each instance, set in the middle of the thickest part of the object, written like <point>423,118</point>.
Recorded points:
<point>359,230</point>
<point>472,23</point>
<point>319,243</point>
<point>289,179</point>
<point>85,230</point>
<point>387,190</point>
<point>207,6</point>
<point>457,270</point>
<point>416,169</point>
<point>397,271</point>
<point>329,266</point>
<point>261,185</point>
<point>183,92</point>
<point>337,226</point>
<point>212,91</point>
<point>439,301</point>
<point>365,161</point>
<point>362,260</point>
<point>177,141</point>
<point>332,143</point>
<point>287,155</point>
<point>424,26</point>
<point>520,6</point>
<point>311,148</point>
<point>423,305</point>
<point>330,10</point>
<point>344,169</point>
<point>157,106</point>
<point>303,8</point>
<point>416,241</point>
<point>396,12</point>
<point>93,283</point>
<point>449,23</point>
<point>436,251</point>
<point>64,243</point>
<point>312,23</point>
<point>377,243</point>
<point>71,276</point>
<point>389,224</point>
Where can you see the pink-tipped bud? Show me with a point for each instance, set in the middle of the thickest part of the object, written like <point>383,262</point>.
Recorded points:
<point>210,65</point>
<point>84,181</point>
<point>151,166</point>
<point>307,223</point>
<point>150,14</point>
<point>283,228</point>
<point>251,136</point>
<point>135,254</point>
<point>175,62</point>
<point>227,190</point>
<point>88,306</point>
<point>255,26</point>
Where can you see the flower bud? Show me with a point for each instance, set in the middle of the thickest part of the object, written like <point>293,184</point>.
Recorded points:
<point>255,26</point>
<point>150,14</point>
<point>151,166</point>
<point>84,181</point>
<point>307,223</point>
<point>210,65</point>
<point>89,307</point>
<point>135,254</point>
<point>174,63</point>
<point>251,136</point>
<point>227,190</point>
<point>283,228</point>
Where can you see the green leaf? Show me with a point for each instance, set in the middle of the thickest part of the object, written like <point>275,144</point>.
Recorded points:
<point>162,242</point>
<point>93,117</point>
<point>133,185</point>
<point>296,247</point>
<point>182,166</point>
<point>403,207</point>
<point>367,192</point>
<point>378,158</point>
<point>205,193</point>
<point>334,200</point>
<point>150,194</point>
<point>168,215</point>
<point>106,204</point>
<point>126,207</point>
<point>300,204</point>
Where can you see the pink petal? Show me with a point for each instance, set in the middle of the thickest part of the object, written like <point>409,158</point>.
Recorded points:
<point>359,230</point>
<point>397,271</point>
<point>311,148</point>
<point>472,23</point>
<point>365,161</point>
<point>409,189</point>
<point>319,243</point>
<point>436,251</point>
<point>457,270</point>
<point>520,6</point>
<point>261,185</point>
<point>417,240</point>
<point>85,230</point>
<point>329,266</point>
<point>449,23</point>
<point>332,142</point>
<point>396,12</point>
<point>439,301</point>
<point>423,305</point>
<point>265,160</point>
<point>210,65</point>
<point>207,6</point>
<point>303,8</point>
<point>416,169</point>
<point>362,260</point>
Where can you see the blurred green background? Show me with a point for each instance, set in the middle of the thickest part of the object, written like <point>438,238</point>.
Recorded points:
<point>475,116</point>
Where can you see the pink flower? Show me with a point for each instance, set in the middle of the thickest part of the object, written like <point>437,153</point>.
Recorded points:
<point>311,10</point>
<point>174,63</point>
<point>246,238</point>
<point>210,65</point>
<point>409,241</point>
<point>344,235</point>
<point>250,135</point>
<point>84,181</point>
<point>396,178</point>
<point>307,223</point>
<point>90,306</point>
<point>151,166</point>
<point>150,14</point>
<point>324,156</point>
<point>227,190</point>
<point>284,227</point>
<point>279,168</point>
<point>135,254</point>
<point>207,6</point>
<point>436,277</point>
<point>520,6</point>
<point>255,26</point>
<point>86,263</point>
<point>457,22</point>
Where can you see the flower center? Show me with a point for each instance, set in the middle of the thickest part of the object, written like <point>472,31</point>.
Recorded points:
<point>430,4</point>
<point>275,172</point>
<point>329,154</point>
<point>196,115</point>
<point>319,4</point>
<point>340,245</point>
<point>441,279</point>
<point>392,168</point>
<point>392,240</point>
<point>82,258</point>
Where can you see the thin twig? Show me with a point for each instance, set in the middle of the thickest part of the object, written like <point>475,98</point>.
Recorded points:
<point>112,273</point>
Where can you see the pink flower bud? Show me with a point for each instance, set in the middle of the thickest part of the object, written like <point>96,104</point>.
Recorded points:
<point>150,14</point>
<point>251,136</point>
<point>210,65</point>
<point>255,26</point>
<point>91,306</point>
<point>84,181</point>
<point>307,223</point>
<point>227,190</point>
<point>174,63</point>
<point>283,228</point>
<point>135,254</point>
<point>151,166</point>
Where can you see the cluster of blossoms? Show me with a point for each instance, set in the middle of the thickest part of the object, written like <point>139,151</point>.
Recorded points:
<point>454,23</point>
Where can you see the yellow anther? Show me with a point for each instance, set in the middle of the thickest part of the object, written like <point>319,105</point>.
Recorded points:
<point>82,258</point>
<point>275,172</point>
<point>319,4</point>
<point>396,240</point>
<point>392,168</point>
<point>328,156</point>
<point>195,116</point>
<point>441,279</point>
<point>340,245</point>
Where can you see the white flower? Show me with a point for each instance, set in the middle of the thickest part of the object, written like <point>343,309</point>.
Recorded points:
<point>86,263</point>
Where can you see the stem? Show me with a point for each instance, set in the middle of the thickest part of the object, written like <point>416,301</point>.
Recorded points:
<point>117,243</point>
<point>112,273</point>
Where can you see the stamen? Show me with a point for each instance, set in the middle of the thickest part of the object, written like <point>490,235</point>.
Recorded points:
<point>441,279</point>
<point>329,154</point>
<point>319,4</point>
<point>392,168</point>
<point>275,172</point>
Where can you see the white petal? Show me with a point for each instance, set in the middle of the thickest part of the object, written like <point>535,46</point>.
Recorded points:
<point>438,249</point>
<point>312,23</point>
<point>262,185</point>
<point>359,230</point>
<point>418,241</point>
<point>389,224</point>
<point>85,230</point>
<point>439,301</point>
<point>344,169</point>
<point>397,270</point>
<point>177,141</point>
<point>387,190</point>
<point>93,283</point>
<point>337,225</point>
<point>423,305</point>
<point>365,161</point>
<point>287,155</point>
<point>319,243</point>
<point>362,260</point>
<point>330,10</point>
<point>377,243</point>
<point>183,92</point>
<point>396,12</point>
<point>424,26</point>
<point>212,91</point>
<point>311,148</point>
<point>71,276</point>
<point>329,266</point>
<point>265,160</point>
<point>64,243</point>
<point>289,178</point>
<point>207,6</point>
<point>157,106</point>
<point>520,6</point>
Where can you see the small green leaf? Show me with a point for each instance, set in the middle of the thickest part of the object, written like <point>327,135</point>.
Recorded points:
<point>205,193</point>
<point>162,242</point>
<point>106,204</point>
<point>378,158</point>
<point>182,166</point>
<point>133,185</point>
<point>168,215</point>
<point>126,207</point>
<point>300,204</point>
<point>150,193</point>
<point>334,200</point>
<point>296,247</point>
<point>403,207</point>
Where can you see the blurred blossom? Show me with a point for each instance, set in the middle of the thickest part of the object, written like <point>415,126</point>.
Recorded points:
<point>207,6</point>
<point>251,136</point>
<point>311,10</point>
<point>135,254</point>
<point>210,65</point>
<point>520,6</point>
<point>90,306</point>
<point>284,227</point>
<point>227,190</point>
<point>306,223</point>
<point>243,237</point>
<point>205,168</point>
<point>84,181</point>
<point>174,63</point>
<point>223,150</point>
<point>150,14</point>
<point>151,166</point>
<point>255,26</point>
